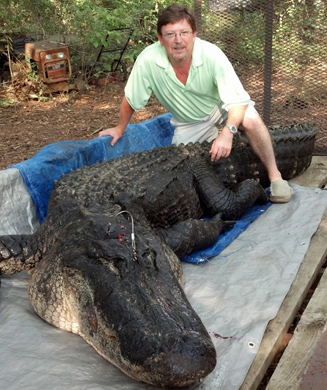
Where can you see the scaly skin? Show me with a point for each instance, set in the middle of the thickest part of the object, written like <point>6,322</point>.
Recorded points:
<point>122,296</point>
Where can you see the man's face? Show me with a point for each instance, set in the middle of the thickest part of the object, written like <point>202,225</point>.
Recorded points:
<point>178,40</point>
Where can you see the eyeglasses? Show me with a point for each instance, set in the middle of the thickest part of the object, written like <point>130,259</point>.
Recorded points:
<point>183,34</point>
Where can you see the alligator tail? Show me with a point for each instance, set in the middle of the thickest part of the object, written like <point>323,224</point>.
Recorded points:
<point>293,146</point>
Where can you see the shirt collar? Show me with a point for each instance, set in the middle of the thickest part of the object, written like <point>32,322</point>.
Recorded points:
<point>197,55</point>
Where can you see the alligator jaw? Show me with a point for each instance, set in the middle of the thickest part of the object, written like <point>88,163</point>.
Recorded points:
<point>134,313</point>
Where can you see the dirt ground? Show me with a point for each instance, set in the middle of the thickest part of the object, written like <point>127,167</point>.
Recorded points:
<point>26,127</point>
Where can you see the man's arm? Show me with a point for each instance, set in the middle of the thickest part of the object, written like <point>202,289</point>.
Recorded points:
<point>126,113</point>
<point>222,145</point>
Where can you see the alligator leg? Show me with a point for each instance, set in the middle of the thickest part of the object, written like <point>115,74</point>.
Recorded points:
<point>193,234</point>
<point>216,198</point>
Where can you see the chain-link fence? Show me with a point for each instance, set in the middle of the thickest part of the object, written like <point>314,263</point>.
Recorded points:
<point>279,50</point>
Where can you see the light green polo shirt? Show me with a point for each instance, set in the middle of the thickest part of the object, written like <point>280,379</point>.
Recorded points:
<point>211,79</point>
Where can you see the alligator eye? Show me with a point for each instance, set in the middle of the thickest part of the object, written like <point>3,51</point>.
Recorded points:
<point>108,231</point>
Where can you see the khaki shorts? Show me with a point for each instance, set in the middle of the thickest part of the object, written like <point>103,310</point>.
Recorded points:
<point>205,130</point>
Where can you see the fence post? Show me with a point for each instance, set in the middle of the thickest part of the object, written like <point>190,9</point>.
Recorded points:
<point>198,16</point>
<point>268,61</point>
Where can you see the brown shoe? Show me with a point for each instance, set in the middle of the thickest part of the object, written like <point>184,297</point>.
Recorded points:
<point>280,191</point>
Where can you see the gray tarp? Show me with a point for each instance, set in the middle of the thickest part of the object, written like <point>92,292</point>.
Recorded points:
<point>17,209</point>
<point>236,294</point>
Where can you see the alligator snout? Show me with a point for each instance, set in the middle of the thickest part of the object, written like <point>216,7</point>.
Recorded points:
<point>153,329</point>
<point>189,359</point>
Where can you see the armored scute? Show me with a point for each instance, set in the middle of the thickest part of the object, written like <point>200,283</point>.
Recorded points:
<point>105,265</point>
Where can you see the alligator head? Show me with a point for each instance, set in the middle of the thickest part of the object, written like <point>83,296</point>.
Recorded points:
<point>123,299</point>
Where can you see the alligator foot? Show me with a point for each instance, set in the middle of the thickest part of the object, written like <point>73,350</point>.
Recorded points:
<point>194,234</point>
<point>14,253</point>
<point>245,195</point>
<point>216,198</point>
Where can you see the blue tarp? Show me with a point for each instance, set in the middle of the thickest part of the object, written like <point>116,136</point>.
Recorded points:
<point>227,237</point>
<point>46,166</point>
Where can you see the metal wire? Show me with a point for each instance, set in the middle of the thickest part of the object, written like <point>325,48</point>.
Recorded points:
<point>132,234</point>
<point>280,59</point>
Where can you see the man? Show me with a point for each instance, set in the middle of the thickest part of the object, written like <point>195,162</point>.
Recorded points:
<point>195,81</point>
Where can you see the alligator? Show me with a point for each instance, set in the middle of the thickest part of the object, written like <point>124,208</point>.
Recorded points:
<point>105,262</point>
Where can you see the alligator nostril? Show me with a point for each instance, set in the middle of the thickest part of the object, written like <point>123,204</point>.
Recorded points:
<point>188,361</point>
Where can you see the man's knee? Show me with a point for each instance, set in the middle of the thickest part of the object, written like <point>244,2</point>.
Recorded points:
<point>251,121</point>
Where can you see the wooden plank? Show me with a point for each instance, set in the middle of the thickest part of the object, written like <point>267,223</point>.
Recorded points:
<point>314,176</point>
<point>293,363</point>
<point>277,328</point>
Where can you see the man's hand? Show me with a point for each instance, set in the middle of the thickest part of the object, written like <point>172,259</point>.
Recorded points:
<point>115,133</point>
<point>222,145</point>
